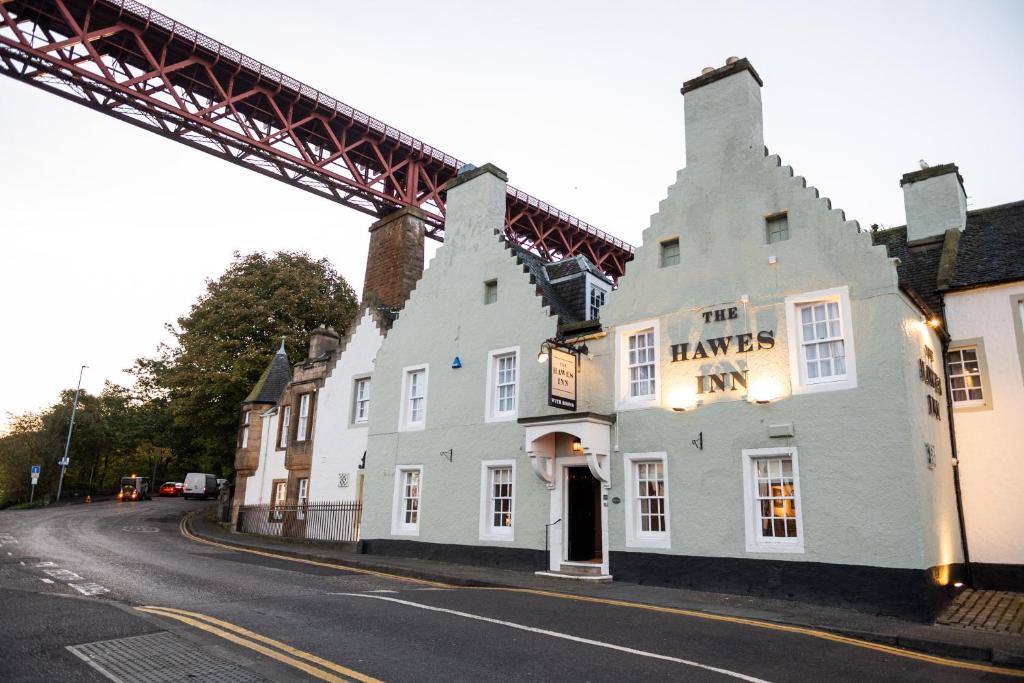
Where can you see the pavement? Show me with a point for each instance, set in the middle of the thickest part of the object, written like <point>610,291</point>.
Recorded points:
<point>946,640</point>
<point>126,589</point>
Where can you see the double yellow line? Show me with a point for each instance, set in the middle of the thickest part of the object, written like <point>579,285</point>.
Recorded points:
<point>183,527</point>
<point>802,630</point>
<point>317,667</point>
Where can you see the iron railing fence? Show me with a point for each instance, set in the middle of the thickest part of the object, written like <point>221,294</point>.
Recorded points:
<point>313,521</point>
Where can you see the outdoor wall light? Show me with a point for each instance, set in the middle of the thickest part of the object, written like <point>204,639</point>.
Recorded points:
<point>542,355</point>
<point>683,398</point>
<point>933,323</point>
<point>577,446</point>
<point>764,390</point>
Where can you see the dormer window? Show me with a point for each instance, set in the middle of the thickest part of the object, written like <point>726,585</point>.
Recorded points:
<point>595,300</point>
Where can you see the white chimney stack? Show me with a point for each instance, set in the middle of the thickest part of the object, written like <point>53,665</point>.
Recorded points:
<point>723,115</point>
<point>935,201</point>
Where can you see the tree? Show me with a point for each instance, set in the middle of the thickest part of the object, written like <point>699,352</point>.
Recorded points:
<point>227,339</point>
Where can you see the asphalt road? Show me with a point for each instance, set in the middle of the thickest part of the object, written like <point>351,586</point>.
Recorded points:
<point>78,574</point>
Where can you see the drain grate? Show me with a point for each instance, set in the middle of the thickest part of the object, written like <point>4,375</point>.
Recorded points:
<point>159,658</point>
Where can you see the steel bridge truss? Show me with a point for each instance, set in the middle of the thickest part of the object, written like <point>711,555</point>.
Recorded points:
<point>123,59</point>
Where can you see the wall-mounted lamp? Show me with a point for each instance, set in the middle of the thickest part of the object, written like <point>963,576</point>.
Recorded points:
<point>577,446</point>
<point>933,323</point>
<point>683,398</point>
<point>764,390</point>
<point>542,355</point>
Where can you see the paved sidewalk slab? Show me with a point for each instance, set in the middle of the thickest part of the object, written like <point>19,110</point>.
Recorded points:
<point>950,641</point>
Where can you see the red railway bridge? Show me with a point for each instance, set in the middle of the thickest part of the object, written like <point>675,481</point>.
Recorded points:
<point>128,61</point>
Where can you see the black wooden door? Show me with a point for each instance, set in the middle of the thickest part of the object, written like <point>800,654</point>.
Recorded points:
<point>582,489</point>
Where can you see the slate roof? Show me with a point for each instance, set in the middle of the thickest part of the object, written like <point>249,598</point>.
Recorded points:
<point>918,267</point>
<point>273,380</point>
<point>990,251</point>
<point>992,247</point>
<point>562,284</point>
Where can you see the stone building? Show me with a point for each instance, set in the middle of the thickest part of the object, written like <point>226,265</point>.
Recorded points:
<point>748,412</point>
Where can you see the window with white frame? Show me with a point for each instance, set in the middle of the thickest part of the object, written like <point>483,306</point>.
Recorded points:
<point>415,397</point>
<point>647,511</point>
<point>362,398</point>
<point>497,499</point>
<point>407,500</point>
<point>286,419</point>
<point>637,379</point>
<point>502,384</point>
<point>641,364</point>
<point>303,498</point>
<point>772,500</point>
<point>302,427</point>
<point>965,376</point>
<point>595,301</point>
<point>279,493</point>
<point>821,341</point>
<point>649,477</point>
<point>245,428</point>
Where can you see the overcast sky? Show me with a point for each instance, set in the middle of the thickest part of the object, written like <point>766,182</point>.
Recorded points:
<point>109,231</point>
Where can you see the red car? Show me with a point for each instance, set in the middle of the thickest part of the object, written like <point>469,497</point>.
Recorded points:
<point>171,488</point>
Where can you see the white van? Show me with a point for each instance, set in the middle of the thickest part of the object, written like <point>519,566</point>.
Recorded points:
<point>200,485</point>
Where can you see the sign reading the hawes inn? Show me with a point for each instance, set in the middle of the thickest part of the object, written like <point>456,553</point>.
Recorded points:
<point>562,379</point>
<point>711,348</point>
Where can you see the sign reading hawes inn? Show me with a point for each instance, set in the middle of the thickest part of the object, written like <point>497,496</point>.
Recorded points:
<point>721,346</point>
<point>562,379</point>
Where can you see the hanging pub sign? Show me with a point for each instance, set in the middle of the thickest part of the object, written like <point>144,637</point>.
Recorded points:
<point>562,379</point>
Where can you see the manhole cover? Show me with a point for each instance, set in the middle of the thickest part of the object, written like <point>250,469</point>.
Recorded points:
<point>158,658</point>
<point>140,529</point>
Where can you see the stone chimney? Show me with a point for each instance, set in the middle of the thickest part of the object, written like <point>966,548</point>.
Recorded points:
<point>475,205</point>
<point>723,115</point>
<point>394,261</point>
<point>935,201</point>
<point>322,340</point>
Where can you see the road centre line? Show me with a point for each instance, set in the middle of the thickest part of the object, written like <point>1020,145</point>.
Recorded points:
<point>811,632</point>
<point>357,570</point>
<point>283,653</point>
<point>563,636</point>
<point>814,633</point>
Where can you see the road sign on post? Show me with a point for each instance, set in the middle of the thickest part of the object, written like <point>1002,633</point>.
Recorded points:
<point>34,472</point>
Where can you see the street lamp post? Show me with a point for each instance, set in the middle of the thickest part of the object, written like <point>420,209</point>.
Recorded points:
<point>71,426</point>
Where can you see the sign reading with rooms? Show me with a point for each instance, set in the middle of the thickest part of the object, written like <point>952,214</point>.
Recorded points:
<point>713,347</point>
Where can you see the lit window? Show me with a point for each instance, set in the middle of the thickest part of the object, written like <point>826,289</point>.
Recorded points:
<point>965,376</point>
<point>286,419</point>
<point>362,411</point>
<point>410,503</point>
<point>490,291</point>
<point>301,431</point>
<point>777,228</point>
<point>670,253</point>
<point>596,301</point>
<point>501,498</point>
<point>776,498</point>
<point>641,364</point>
<point>650,497</point>
<point>245,428</point>
<point>772,500</point>
<point>822,346</point>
